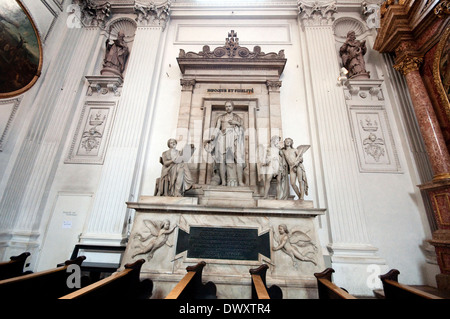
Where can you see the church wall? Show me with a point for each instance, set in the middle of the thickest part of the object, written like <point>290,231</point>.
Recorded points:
<point>391,210</point>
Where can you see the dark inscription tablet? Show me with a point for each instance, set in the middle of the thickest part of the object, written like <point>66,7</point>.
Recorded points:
<point>223,243</point>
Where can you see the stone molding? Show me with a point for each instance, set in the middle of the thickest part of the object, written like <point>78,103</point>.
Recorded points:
<point>231,54</point>
<point>231,50</point>
<point>97,13</point>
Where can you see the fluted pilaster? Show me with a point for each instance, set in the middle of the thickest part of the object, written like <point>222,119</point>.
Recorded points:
<point>25,194</point>
<point>349,239</point>
<point>107,220</point>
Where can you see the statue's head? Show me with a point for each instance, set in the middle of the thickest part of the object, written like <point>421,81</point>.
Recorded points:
<point>275,140</point>
<point>171,143</point>
<point>351,35</point>
<point>120,35</point>
<point>229,106</point>
<point>288,142</point>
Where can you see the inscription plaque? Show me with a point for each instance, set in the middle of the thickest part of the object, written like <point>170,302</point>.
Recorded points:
<point>223,243</point>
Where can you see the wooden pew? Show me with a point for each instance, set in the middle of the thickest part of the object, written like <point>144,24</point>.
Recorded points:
<point>123,284</point>
<point>259,287</point>
<point>191,286</point>
<point>14,267</point>
<point>394,290</point>
<point>48,284</point>
<point>327,289</point>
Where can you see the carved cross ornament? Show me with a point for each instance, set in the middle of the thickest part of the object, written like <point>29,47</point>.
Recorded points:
<point>231,43</point>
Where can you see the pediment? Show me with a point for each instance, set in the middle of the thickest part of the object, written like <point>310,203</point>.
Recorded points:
<point>231,55</point>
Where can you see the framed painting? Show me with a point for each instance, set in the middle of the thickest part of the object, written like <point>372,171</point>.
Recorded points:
<point>20,49</point>
<point>441,70</point>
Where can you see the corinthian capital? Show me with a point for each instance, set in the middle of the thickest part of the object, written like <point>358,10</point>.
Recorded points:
<point>314,13</point>
<point>92,13</point>
<point>408,64</point>
<point>152,14</point>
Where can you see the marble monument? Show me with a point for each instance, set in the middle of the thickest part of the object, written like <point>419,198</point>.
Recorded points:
<point>223,195</point>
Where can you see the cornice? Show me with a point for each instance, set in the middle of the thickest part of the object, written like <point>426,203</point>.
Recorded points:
<point>406,20</point>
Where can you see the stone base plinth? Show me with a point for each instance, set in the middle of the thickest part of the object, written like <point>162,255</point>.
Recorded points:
<point>172,233</point>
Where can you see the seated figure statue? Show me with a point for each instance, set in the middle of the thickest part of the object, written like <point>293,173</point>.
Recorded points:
<point>176,177</point>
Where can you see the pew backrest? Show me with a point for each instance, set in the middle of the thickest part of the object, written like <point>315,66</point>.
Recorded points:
<point>395,290</point>
<point>327,289</point>
<point>124,284</point>
<point>191,285</point>
<point>259,286</point>
<point>14,267</point>
<point>47,284</point>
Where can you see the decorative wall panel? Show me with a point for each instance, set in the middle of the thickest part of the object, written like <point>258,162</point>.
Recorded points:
<point>91,136</point>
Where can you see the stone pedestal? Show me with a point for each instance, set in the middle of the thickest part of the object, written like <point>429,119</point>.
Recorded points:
<point>231,236</point>
<point>439,194</point>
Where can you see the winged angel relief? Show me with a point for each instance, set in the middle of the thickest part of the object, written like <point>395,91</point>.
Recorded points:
<point>296,243</point>
<point>158,237</point>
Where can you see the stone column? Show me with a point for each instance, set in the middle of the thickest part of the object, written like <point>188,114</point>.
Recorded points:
<point>107,222</point>
<point>350,249</point>
<point>438,189</point>
<point>274,107</point>
<point>187,86</point>
<point>429,126</point>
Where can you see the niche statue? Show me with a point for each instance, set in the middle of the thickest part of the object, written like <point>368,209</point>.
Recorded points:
<point>116,55</point>
<point>352,53</point>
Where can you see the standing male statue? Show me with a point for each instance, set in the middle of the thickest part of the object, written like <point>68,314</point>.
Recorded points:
<point>116,56</point>
<point>294,159</point>
<point>352,53</point>
<point>227,147</point>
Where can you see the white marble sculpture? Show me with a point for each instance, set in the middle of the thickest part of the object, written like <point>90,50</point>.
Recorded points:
<point>294,159</point>
<point>272,165</point>
<point>176,177</point>
<point>226,146</point>
<point>158,237</point>
<point>296,243</point>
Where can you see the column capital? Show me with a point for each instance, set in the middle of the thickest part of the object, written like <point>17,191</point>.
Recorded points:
<point>442,10</point>
<point>316,13</point>
<point>152,14</point>
<point>96,13</point>
<point>187,84</point>
<point>90,13</point>
<point>408,63</point>
<point>273,86</point>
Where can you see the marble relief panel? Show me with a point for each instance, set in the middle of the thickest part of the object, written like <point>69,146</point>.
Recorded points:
<point>374,142</point>
<point>92,133</point>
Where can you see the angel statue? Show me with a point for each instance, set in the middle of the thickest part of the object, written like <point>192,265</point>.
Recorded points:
<point>296,243</point>
<point>294,159</point>
<point>272,165</point>
<point>159,233</point>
